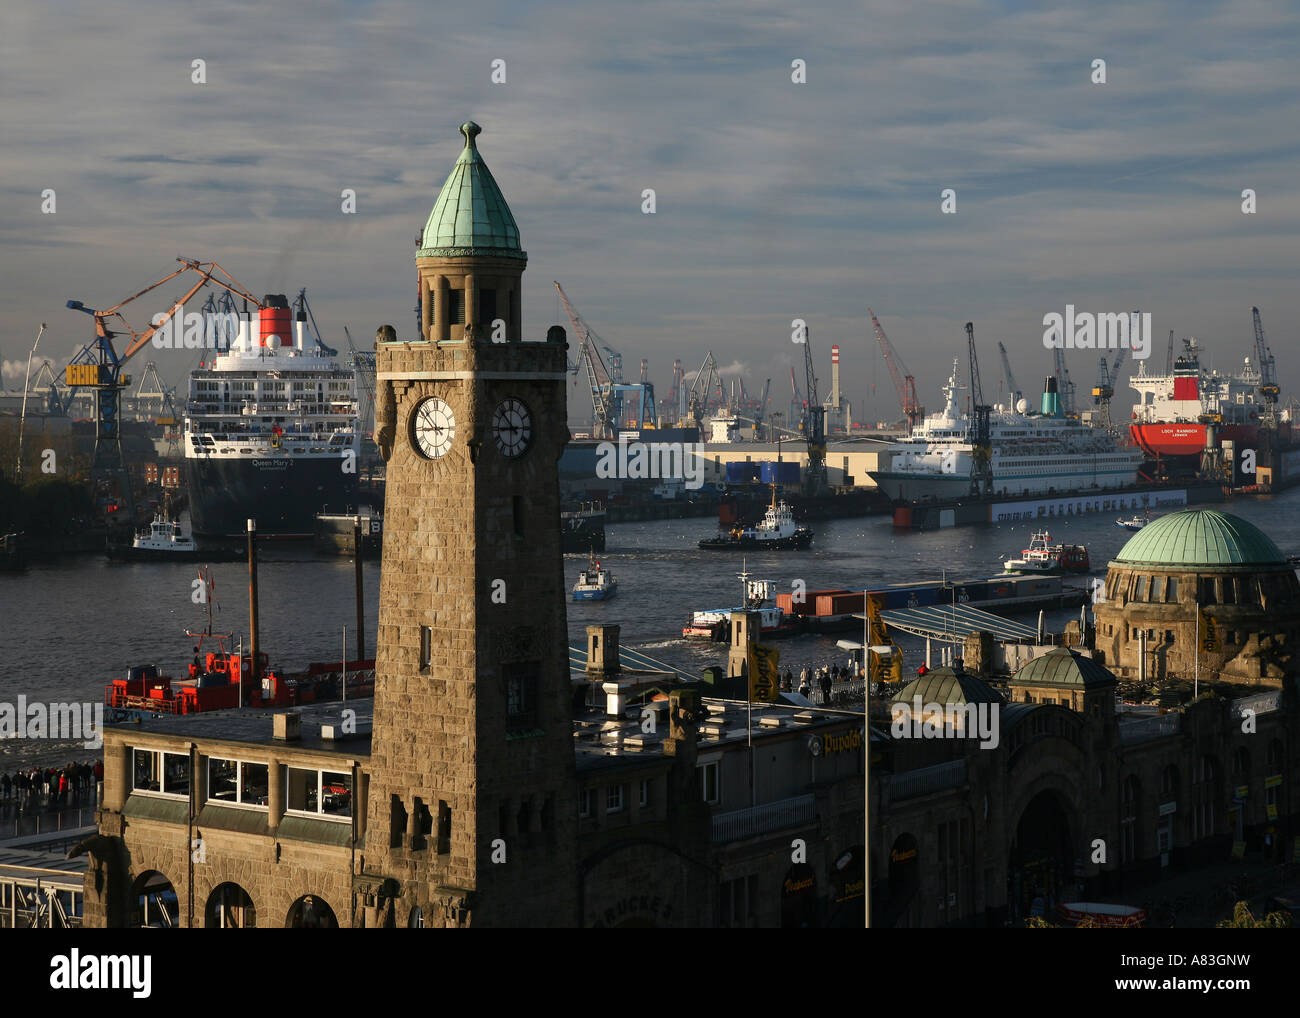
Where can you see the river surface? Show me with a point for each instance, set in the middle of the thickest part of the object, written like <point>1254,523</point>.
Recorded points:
<point>69,628</point>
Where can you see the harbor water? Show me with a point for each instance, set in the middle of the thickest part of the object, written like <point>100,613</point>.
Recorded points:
<point>70,627</point>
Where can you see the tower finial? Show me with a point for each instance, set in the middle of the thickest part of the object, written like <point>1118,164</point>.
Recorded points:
<point>471,131</point>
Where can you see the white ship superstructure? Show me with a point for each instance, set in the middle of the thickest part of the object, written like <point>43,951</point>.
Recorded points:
<point>1033,454</point>
<point>271,430</point>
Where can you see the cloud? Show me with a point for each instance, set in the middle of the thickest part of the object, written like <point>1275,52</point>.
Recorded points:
<point>775,200</point>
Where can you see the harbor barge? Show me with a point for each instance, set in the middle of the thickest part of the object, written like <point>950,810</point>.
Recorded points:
<point>836,611</point>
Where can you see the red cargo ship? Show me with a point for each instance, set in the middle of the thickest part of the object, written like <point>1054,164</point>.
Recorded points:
<point>1175,412</point>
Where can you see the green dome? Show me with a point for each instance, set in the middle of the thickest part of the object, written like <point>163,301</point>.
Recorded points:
<point>943,685</point>
<point>1063,667</point>
<point>1200,537</point>
<point>471,216</point>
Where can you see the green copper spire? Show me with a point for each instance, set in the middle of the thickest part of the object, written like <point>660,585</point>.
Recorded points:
<point>471,216</point>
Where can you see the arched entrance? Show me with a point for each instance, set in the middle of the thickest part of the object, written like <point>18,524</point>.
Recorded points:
<point>311,913</point>
<point>229,908</point>
<point>154,902</point>
<point>1041,867</point>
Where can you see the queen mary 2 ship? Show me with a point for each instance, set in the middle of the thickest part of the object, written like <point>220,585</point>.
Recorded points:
<point>1039,453</point>
<point>271,430</point>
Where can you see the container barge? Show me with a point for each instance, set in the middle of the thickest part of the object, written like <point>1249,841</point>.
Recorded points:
<point>834,611</point>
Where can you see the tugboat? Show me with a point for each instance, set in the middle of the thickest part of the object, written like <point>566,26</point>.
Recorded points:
<point>1042,556</point>
<point>777,532</point>
<point>1135,522</point>
<point>164,541</point>
<point>594,584</point>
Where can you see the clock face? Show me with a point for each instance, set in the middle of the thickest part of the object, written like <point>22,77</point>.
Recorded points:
<point>512,425</point>
<point>433,426</point>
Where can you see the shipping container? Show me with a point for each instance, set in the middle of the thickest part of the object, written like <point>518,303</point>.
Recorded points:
<point>779,473</point>
<point>741,473</point>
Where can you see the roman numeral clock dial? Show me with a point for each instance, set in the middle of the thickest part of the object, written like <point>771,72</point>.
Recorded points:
<point>433,426</point>
<point>512,425</point>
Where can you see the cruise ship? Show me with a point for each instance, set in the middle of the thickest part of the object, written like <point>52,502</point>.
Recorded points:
<point>271,430</point>
<point>1040,453</point>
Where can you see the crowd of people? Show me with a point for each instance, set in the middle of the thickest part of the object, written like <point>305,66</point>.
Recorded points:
<point>824,678</point>
<point>52,788</point>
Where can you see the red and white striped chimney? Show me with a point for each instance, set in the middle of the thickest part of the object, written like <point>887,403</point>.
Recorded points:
<point>835,376</point>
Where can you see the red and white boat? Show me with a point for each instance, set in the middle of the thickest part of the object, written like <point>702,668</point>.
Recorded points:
<point>1174,412</point>
<point>1042,556</point>
<point>774,622</point>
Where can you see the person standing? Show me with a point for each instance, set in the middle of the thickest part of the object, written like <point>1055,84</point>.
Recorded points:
<point>826,688</point>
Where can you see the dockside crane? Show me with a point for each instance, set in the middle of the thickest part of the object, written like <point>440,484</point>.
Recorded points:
<point>814,424</point>
<point>1268,387</point>
<point>1107,377</point>
<point>1063,384</point>
<point>98,366</point>
<point>598,376</point>
<point>1013,390</point>
<point>904,382</point>
<point>705,386</point>
<point>979,434</point>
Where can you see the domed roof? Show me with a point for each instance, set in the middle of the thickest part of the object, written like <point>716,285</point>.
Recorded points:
<point>943,685</point>
<point>471,216</point>
<point>1061,666</point>
<point>1200,537</point>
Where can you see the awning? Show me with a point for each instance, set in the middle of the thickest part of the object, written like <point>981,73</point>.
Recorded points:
<point>633,660</point>
<point>956,622</point>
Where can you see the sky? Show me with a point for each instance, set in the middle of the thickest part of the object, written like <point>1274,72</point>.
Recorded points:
<point>775,199</point>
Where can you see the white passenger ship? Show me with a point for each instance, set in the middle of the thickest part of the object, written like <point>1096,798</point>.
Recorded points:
<point>1040,453</point>
<point>271,430</point>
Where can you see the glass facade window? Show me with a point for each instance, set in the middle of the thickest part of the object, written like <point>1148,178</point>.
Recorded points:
<point>235,782</point>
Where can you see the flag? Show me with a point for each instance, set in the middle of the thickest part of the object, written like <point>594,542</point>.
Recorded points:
<point>764,680</point>
<point>1209,634</point>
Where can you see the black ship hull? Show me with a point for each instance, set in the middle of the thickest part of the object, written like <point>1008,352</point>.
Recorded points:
<point>283,495</point>
<point>799,540</point>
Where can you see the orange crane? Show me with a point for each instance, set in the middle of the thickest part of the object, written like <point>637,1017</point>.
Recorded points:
<point>98,366</point>
<point>904,382</point>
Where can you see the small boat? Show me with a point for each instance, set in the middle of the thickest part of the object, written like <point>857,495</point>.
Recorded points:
<point>164,541</point>
<point>1135,522</point>
<point>776,532</point>
<point>774,623</point>
<point>594,584</point>
<point>1042,556</point>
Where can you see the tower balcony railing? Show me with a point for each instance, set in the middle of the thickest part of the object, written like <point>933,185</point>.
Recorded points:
<point>771,816</point>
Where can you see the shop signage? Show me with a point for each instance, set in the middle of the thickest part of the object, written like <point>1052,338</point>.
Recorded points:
<point>1166,808</point>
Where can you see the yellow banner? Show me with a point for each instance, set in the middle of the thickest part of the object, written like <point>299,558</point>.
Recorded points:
<point>764,679</point>
<point>1209,634</point>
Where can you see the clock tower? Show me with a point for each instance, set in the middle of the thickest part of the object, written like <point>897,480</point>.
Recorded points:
<point>471,807</point>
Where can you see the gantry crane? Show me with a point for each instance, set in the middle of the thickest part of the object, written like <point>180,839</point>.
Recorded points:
<point>99,366</point>
<point>904,382</point>
<point>1013,390</point>
<point>979,434</point>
